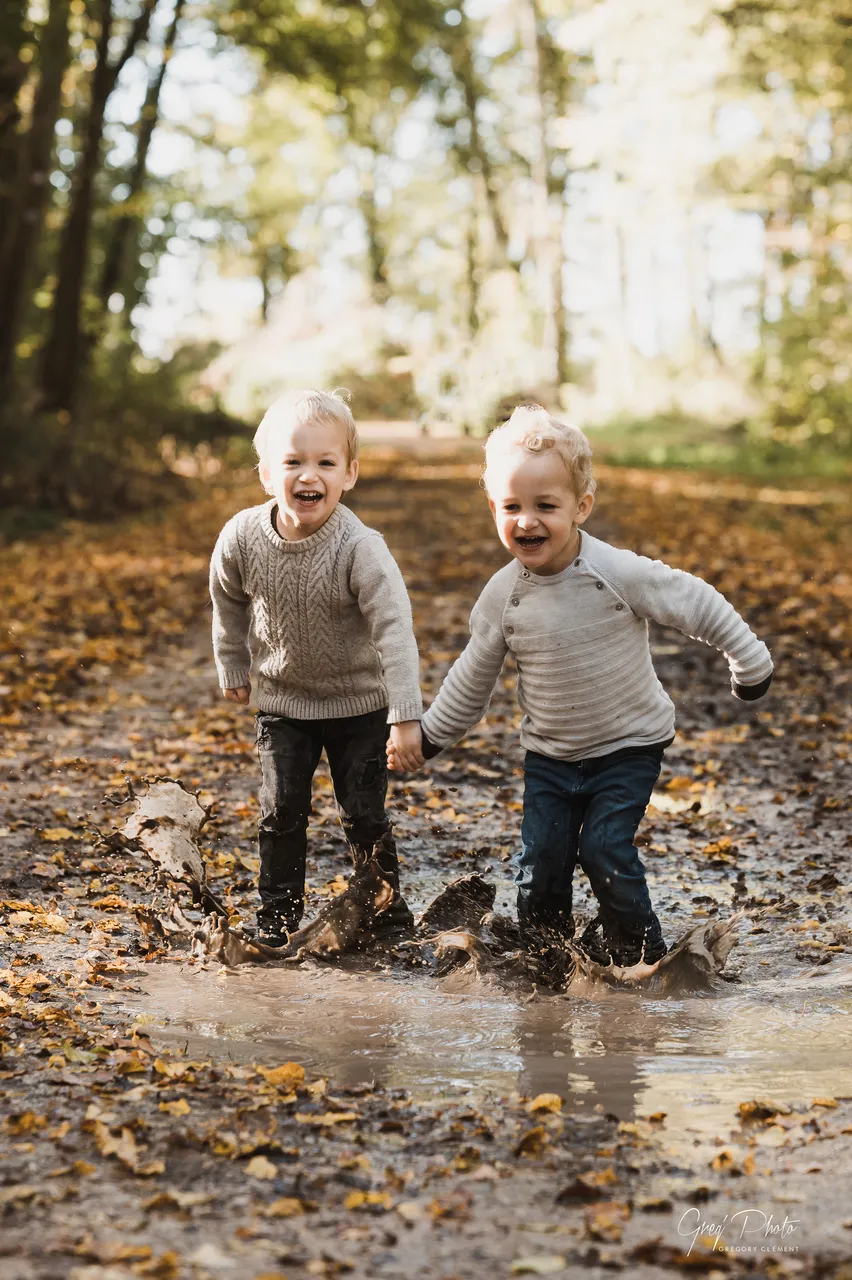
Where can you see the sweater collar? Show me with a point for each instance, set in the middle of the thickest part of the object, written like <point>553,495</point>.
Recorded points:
<point>332,526</point>
<point>549,579</point>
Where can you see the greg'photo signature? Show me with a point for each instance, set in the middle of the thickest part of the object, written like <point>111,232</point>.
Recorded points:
<point>747,1230</point>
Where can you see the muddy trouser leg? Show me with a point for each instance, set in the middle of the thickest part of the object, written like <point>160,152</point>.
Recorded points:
<point>550,831</point>
<point>288,751</point>
<point>618,788</point>
<point>355,747</point>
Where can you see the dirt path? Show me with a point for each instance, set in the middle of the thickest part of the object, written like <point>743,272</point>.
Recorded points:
<point>147,1131</point>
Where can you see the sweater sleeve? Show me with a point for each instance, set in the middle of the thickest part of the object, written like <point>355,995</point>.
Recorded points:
<point>463,698</point>
<point>379,588</point>
<point>677,599</point>
<point>231,604</point>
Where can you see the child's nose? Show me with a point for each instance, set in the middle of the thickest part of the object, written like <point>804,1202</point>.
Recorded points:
<point>527,521</point>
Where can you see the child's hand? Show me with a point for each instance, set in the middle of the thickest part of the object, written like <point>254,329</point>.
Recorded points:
<point>239,695</point>
<point>404,748</point>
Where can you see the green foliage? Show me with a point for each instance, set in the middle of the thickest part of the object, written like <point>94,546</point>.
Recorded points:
<point>798,57</point>
<point>117,453</point>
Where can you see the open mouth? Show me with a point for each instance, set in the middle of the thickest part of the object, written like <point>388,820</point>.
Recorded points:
<point>531,543</point>
<point>309,496</point>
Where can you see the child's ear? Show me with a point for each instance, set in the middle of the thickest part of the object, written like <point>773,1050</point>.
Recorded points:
<point>351,475</point>
<point>492,506</point>
<point>265,476</point>
<point>584,509</point>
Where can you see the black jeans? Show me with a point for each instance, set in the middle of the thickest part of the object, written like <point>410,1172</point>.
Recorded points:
<point>587,811</point>
<point>289,752</point>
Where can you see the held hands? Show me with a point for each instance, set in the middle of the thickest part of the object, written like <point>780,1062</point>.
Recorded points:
<point>404,749</point>
<point>239,695</point>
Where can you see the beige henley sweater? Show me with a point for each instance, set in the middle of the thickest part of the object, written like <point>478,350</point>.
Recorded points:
<point>586,682</point>
<point>327,619</point>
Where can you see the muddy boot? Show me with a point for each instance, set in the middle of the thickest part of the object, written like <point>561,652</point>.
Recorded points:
<point>275,922</point>
<point>642,951</point>
<point>593,944</point>
<point>544,937</point>
<point>397,918</point>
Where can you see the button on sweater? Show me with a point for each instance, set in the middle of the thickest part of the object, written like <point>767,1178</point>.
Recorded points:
<point>586,681</point>
<point>325,621</point>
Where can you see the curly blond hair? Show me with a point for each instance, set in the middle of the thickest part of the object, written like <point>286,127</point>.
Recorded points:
<point>532,428</point>
<point>299,408</point>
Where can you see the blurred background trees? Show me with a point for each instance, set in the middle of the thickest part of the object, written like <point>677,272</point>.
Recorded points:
<point>638,212</point>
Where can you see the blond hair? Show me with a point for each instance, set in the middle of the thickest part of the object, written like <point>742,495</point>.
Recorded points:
<point>301,408</point>
<point>532,428</point>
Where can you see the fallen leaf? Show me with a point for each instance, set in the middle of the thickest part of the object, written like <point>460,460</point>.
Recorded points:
<point>327,1118</point>
<point>260,1167</point>
<point>605,1221</point>
<point>545,1102</point>
<point>371,1201</point>
<point>545,1264</point>
<point>285,1207</point>
<point>533,1142</point>
<point>180,1107</point>
<point>288,1076</point>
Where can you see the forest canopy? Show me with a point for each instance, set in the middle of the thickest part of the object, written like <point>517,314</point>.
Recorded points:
<point>621,207</point>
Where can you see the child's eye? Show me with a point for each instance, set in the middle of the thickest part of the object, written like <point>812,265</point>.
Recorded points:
<point>547,506</point>
<point>510,506</point>
<point>327,462</point>
<point>291,462</point>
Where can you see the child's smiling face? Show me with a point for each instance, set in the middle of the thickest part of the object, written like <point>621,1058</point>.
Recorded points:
<point>535,509</point>
<point>308,471</point>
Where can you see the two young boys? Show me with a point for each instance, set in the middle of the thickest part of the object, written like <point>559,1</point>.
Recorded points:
<point>337,666</point>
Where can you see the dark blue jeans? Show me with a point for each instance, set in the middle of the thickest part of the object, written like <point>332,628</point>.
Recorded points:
<point>587,812</point>
<point>289,752</point>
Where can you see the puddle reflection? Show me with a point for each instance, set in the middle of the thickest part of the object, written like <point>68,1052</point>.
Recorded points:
<point>694,1058</point>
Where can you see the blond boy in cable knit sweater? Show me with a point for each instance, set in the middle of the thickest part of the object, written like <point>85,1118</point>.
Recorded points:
<point>311,601</point>
<point>574,612</point>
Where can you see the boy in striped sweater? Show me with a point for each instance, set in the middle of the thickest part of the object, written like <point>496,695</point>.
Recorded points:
<point>574,611</point>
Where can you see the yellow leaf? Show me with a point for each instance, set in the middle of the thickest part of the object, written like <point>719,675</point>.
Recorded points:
<point>285,1207</point>
<point>170,1069</point>
<point>368,1200</point>
<point>545,1102</point>
<point>261,1168</point>
<point>58,833</point>
<point>604,1221</point>
<point>533,1142</point>
<point>288,1076</point>
<point>180,1107</point>
<point>53,921</point>
<point>328,1117</point>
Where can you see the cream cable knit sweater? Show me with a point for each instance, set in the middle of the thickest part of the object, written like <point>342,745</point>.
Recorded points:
<point>327,620</point>
<point>586,682</point>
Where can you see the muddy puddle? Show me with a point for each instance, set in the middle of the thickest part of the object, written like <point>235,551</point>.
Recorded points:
<point>626,1053</point>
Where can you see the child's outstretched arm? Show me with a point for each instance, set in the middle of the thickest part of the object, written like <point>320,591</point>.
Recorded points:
<point>230,616</point>
<point>463,698</point>
<point>677,599</point>
<point>378,585</point>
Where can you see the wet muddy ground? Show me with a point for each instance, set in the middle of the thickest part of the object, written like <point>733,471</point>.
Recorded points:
<point>446,1128</point>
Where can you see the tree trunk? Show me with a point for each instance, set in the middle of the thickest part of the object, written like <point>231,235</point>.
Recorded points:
<point>64,350</point>
<point>126,224</point>
<point>462,60</point>
<point>18,250</point>
<point>13,72</point>
<point>472,269</point>
<point>377,258</point>
<point>549,96</point>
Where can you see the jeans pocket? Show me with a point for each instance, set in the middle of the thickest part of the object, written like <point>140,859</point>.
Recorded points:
<point>371,773</point>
